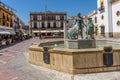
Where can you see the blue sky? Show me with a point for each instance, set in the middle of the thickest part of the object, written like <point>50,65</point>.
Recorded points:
<point>72,7</point>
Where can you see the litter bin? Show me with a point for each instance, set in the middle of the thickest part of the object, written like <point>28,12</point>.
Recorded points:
<point>108,56</point>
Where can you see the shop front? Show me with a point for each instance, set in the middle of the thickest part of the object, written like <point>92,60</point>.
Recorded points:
<point>6,35</point>
<point>49,33</point>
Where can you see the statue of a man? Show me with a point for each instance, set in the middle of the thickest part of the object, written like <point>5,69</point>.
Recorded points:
<point>79,22</point>
<point>90,27</point>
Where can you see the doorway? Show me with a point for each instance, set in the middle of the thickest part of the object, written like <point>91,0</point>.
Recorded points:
<point>102,31</point>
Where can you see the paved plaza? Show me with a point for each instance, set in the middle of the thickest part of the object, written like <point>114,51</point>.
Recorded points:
<point>14,66</point>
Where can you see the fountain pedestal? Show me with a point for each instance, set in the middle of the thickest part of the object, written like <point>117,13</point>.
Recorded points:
<point>81,44</point>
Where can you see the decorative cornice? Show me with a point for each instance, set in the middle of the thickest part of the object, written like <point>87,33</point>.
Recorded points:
<point>6,10</point>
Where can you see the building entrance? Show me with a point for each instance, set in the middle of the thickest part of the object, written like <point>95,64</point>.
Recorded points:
<point>102,31</point>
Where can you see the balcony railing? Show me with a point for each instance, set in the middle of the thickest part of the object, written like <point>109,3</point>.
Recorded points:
<point>102,9</point>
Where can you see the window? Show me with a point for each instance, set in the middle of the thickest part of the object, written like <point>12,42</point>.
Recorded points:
<point>31,17</point>
<point>3,23</point>
<point>35,18</point>
<point>102,5</point>
<point>51,24</point>
<point>35,25</point>
<point>43,17</point>
<point>118,13</point>
<point>102,17</point>
<point>101,9</point>
<point>11,24</point>
<point>61,24</point>
<point>61,17</point>
<point>48,25</point>
<point>102,30</point>
<point>40,17</point>
<point>7,18</point>
<point>54,25</point>
<point>3,16</point>
<point>43,26</point>
<point>49,17</point>
<point>53,17</point>
<point>118,23</point>
<point>56,17</point>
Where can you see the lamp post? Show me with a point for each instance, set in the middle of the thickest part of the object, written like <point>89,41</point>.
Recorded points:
<point>39,33</point>
<point>46,19</point>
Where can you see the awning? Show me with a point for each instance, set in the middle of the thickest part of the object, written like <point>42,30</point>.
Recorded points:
<point>12,32</point>
<point>23,32</point>
<point>7,30</point>
<point>4,32</point>
<point>47,31</point>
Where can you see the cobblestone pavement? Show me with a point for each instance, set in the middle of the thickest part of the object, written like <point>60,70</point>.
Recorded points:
<point>14,66</point>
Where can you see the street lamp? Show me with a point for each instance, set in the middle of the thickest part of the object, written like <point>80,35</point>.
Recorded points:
<point>46,19</point>
<point>39,33</point>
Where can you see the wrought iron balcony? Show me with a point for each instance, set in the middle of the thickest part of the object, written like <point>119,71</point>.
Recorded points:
<point>101,9</point>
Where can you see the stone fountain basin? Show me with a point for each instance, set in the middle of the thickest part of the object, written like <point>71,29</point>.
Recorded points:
<point>74,61</point>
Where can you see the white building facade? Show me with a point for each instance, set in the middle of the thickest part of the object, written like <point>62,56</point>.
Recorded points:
<point>107,18</point>
<point>47,23</point>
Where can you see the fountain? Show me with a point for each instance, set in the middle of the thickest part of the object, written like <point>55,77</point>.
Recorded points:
<point>79,53</point>
<point>74,38</point>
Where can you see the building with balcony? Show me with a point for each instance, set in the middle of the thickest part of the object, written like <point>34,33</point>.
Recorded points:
<point>10,24</point>
<point>17,23</point>
<point>18,26</point>
<point>107,18</point>
<point>5,15</point>
<point>71,20</point>
<point>47,23</point>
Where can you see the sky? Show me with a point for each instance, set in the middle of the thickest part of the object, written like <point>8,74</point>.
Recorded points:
<point>71,7</point>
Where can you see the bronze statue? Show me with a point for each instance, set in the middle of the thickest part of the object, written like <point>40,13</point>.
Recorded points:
<point>90,27</point>
<point>72,33</point>
<point>79,22</point>
<point>77,28</point>
<point>81,25</point>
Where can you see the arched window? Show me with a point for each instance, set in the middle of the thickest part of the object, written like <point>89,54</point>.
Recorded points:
<point>101,9</point>
<point>102,4</point>
<point>102,17</point>
<point>118,13</point>
<point>118,23</point>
